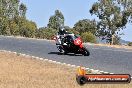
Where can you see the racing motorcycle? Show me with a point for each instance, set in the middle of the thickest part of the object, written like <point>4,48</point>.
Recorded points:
<point>72,43</point>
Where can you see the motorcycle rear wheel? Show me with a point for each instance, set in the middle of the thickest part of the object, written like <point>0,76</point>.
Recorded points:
<point>61,50</point>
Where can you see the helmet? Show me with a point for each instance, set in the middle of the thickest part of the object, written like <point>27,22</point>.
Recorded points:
<point>61,29</point>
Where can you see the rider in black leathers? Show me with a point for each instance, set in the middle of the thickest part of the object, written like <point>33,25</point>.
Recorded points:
<point>60,35</point>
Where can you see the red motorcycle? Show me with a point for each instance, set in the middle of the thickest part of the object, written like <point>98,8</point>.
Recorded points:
<point>72,44</point>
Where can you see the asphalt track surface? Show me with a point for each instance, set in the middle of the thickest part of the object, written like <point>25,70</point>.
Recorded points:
<point>106,59</point>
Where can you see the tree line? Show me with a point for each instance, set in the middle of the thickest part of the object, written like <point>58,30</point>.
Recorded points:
<point>113,15</point>
<point>13,19</point>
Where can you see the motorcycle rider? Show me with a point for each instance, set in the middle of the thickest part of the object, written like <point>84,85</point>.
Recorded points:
<point>60,35</point>
<point>61,38</point>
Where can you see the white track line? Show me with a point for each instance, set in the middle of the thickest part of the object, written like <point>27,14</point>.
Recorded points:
<point>38,58</point>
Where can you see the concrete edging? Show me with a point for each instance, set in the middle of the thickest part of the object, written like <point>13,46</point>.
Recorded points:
<point>51,61</point>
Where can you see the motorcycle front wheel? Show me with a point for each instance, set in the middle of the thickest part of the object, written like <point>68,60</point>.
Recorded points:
<point>86,52</point>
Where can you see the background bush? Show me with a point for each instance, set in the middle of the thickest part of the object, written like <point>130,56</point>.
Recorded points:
<point>88,37</point>
<point>130,44</point>
<point>46,33</point>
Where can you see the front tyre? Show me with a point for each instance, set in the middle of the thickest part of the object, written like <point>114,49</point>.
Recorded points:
<point>86,52</point>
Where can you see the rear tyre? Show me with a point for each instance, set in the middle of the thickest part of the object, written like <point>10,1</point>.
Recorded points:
<point>61,50</point>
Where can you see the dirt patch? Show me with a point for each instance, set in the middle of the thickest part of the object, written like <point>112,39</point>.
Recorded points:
<point>24,72</point>
<point>115,46</point>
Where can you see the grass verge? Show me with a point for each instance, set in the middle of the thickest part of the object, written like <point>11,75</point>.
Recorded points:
<point>17,71</point>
